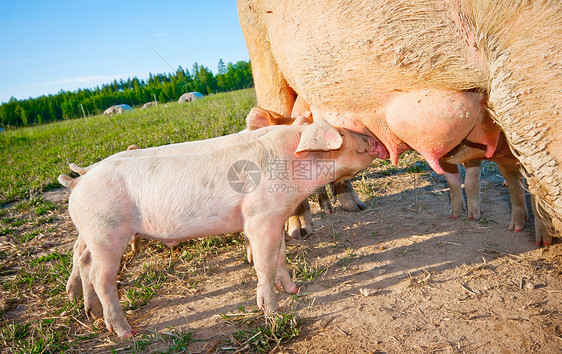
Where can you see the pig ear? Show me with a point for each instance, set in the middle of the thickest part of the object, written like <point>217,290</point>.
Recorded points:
<point>305,119</point>
<point>259,118</point>
<point>319,136</point>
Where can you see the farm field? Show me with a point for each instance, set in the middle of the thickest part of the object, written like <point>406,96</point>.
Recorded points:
<point>398,277</point>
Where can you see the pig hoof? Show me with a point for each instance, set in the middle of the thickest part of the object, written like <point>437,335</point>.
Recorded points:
<point>125,332</point>
<point>327,207</point>
<point>294,289</point>
<point>93,308</point>
<point>546,241</point>
<point>74,291</point>
<point>352,205</point>
<point>129,334</point>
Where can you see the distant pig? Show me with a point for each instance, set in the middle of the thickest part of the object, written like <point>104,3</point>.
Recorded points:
<point>252,186</point>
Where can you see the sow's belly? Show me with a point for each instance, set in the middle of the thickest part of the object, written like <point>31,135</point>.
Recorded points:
<point>381,68</point>
<point>430,121</point>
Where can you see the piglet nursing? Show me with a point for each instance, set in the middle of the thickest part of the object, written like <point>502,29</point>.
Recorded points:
<point>253,187</point>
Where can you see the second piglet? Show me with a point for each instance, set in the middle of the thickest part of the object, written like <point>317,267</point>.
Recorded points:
<point>253,186</point>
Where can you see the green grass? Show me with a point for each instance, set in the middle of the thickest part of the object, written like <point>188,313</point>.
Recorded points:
<point>32,158</point>
<point>259,332</point>
<point>37,337</point>
<point>344,262</point>
<point>303,270</point>
<point>175,340</point>
<point>144,288</point>
<point>48,270</point>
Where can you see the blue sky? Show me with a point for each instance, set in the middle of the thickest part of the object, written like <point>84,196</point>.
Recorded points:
<point>46,46</point>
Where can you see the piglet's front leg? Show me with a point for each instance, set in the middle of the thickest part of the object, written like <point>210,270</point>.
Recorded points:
<point>265,236</point>
<point>300,223</point>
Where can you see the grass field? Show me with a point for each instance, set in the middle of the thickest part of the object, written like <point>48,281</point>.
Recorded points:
<point>32,158</point>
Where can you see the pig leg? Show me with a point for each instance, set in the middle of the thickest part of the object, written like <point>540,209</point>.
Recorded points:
<point>300,223</point>
<point>510,171</point>
<point>349,200</point>
<point>283,278</point>
<point>266,239</point>
<point>92,304</point>
<point>453,178</point>
<point>272,90</point>
<point>135,244</point>
<point>248,248</point>
<point>542,233</point>
<point>106,252</point>
<point>324,200</point>
<point>472,188</point>
<point>74,284</point>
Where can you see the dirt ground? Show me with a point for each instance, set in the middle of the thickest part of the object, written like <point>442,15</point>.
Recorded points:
<point>398,277</point>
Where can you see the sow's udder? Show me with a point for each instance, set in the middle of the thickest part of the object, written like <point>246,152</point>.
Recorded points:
<point>433,122</point>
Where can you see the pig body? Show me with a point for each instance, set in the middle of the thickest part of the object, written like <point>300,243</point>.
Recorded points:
<point>189,147</point>
<point>421,74</point>
<point>74,286</point>
<point>175,198</point>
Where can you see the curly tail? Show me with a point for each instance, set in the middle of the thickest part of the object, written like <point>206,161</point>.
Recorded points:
<point>68,181</point>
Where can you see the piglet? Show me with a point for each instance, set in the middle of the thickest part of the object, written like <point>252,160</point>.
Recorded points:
<point>253,187</point>
<point>74,286</point>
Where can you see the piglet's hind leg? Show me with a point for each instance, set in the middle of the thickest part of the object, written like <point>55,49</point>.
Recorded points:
<point>74,284</point>
<point>106,257</point>
<point>472,188</point>
<point>92,304</point>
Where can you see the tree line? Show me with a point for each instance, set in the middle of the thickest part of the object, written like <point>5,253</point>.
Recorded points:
<point>164,87</point>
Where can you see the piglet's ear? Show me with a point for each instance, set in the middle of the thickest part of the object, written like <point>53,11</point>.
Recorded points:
<point>319,136</point>
<point>259,118</point>
<point>304,119</point>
